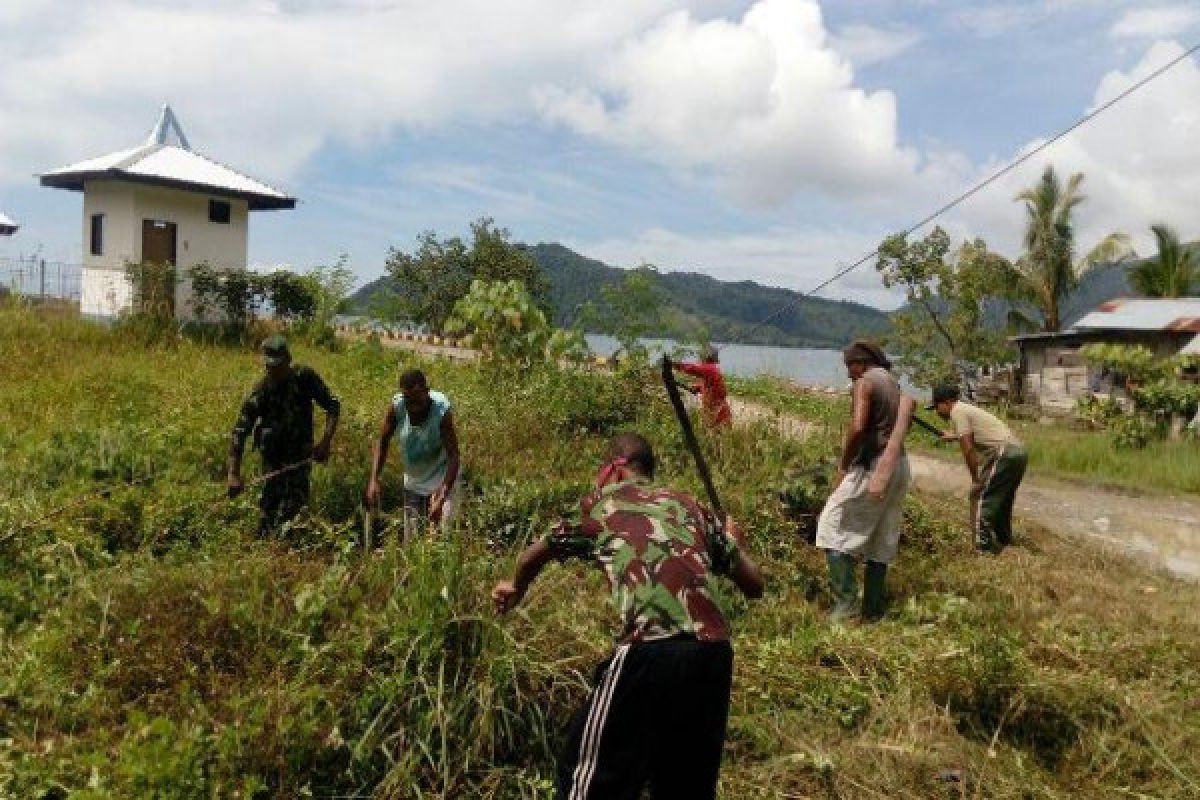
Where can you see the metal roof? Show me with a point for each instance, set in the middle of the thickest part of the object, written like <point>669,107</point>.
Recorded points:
<point>1145,314</point>
<point>166,159</point>
<point>7,226</point>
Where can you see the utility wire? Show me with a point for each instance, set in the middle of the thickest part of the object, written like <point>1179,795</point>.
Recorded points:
<point>981,185</point>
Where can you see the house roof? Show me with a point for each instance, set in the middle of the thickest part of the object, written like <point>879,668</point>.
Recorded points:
<point>166,159</point>
<point>7,226</point>
<point>1145,314</point>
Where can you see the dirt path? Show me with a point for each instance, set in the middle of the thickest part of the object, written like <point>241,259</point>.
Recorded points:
<point>1162,529</point>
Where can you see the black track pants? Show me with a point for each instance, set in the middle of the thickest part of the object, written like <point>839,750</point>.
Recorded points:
<point>656,717</point>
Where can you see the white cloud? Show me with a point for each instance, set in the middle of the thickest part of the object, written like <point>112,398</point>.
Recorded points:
<point>796,259</point>
<point>264,86</point>
<point>1157,23</point>
<point>764,104</point>
<point>1138,159</point>
<point>866,44</point>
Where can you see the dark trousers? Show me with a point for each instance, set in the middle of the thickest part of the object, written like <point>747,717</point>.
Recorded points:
<point>282,498</point>
<point>656,717</point>
<point>992,503</point>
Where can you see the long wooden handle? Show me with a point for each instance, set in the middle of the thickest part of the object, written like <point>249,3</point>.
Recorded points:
<point>689,438</point>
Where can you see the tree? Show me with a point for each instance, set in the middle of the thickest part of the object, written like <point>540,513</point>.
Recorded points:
<point>1048,271</point>
<point>502,320</point>
<point>1174,273</point>
<point>629,311</point>
<point>942,334</point>
<point>428,282</point>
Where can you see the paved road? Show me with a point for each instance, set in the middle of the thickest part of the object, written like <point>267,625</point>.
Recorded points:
<point>1160,528</point>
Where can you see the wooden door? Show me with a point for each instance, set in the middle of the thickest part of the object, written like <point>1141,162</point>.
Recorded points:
<point>158,252</point>
<point>158,242</point>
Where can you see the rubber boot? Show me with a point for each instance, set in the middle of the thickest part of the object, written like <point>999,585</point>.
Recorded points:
<point>842,585</point>
<point>874,602</point>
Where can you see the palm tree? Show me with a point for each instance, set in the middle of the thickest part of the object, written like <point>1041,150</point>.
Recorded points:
<point>1174,273</point>
<point>1048,271</point>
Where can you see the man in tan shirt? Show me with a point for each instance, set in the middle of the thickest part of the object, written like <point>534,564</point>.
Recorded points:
<point>996,460</point>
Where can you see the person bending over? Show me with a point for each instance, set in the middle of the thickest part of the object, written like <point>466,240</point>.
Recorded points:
<point>658,711</point>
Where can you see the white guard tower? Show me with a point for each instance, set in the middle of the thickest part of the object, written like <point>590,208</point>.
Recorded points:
<point>163,203</point>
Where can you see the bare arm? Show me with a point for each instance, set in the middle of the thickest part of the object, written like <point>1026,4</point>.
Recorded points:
<point>379,455</point>
<point>508,594</point>
<point>437,500</point>
<point>450,442</point>
<point>859,416</point>
<point>881,475</point>
<point>967,443</point>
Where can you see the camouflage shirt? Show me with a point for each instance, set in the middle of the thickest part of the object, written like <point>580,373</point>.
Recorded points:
<point>660,551</point>
<point>281,417</point>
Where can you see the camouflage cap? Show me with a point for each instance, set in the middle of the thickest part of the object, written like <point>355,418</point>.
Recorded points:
<point>275,351</point>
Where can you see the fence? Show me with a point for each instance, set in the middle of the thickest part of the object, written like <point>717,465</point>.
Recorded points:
<point>33,277</point>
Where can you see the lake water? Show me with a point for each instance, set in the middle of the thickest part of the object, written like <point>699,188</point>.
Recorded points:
<point>812,366</point>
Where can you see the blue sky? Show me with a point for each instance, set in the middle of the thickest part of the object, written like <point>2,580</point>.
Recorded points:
<point>768,140</point>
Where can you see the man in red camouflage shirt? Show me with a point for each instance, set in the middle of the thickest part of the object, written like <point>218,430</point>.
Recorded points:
<point>658,712</point>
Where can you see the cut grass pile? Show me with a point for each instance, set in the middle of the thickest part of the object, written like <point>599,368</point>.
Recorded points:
<point>151,647</point>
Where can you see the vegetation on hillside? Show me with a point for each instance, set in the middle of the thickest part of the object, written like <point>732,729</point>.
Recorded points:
<point>695,306</point>
<point>151,647</point>
<point>424,285</point>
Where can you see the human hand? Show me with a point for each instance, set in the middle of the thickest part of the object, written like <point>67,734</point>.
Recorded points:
<point>876,489</point>
<point>735,531</point>
<point>374,493</point>
<point>437,502</point>
<point>506,596</point>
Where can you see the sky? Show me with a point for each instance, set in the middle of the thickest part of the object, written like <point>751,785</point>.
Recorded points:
<point>773,140</point>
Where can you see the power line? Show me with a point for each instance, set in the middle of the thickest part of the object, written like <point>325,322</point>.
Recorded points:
<point>982,184</point>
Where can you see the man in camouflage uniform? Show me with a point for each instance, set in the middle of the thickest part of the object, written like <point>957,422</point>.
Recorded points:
<point>279,414</point>
<point>658,712</point>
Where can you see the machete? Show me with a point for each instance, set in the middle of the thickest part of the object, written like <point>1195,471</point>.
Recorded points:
<point>689,438</point>
<point>926,425</point>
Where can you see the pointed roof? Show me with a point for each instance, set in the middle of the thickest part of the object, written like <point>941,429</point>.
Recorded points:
<point>7,226</point>
<point>167,159</point>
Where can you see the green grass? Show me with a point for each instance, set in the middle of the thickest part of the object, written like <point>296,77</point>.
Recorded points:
<point>151,647</point>
<point>1091,457</point>
<point>1056,449</point>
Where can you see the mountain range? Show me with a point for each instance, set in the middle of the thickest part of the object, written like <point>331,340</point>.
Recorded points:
<point>734,311</point>
<point>730,311</point>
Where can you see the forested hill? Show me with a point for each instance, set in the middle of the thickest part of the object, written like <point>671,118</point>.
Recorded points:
<point>729,311</point>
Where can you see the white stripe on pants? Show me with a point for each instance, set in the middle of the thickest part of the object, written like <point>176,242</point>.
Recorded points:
<point>593,730</point>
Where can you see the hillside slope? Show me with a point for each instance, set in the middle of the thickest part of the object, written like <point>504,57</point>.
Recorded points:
<point>729,310</point>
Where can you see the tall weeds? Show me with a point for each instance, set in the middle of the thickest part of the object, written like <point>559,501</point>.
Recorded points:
<point>151,647</point>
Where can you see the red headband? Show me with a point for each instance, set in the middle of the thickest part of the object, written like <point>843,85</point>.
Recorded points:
<point>608,469</point>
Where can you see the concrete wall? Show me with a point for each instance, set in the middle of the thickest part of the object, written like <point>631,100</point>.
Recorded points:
<point>105,290</point>
<point>1056,376</point>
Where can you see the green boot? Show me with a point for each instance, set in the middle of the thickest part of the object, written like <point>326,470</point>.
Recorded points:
<point>874,602</point>
<point>842,585</point>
